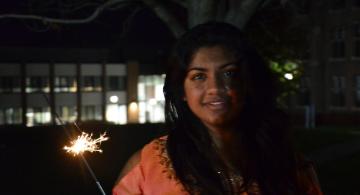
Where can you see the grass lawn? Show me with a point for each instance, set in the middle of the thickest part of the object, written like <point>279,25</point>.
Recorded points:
<point>340,176</point>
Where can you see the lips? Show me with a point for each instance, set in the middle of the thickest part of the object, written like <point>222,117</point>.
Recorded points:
<point>217,104</point>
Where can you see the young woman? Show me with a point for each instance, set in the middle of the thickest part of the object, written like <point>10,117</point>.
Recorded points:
<point>226,133</point>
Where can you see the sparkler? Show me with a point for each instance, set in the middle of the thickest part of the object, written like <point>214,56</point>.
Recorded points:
<point>82,144</point>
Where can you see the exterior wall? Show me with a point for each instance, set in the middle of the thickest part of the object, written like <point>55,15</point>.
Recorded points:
<point>322,66</point>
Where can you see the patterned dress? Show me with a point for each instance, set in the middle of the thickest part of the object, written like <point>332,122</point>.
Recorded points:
<point>154,175</point>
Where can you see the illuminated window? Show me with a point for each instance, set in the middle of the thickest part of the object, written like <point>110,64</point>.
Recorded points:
<point>65,84</point>
<point>10,116</point>
<point>91,83</point>
<point>91,112</point>
<point>116,113</point>
<point>38,116</point>
<point>151,98</point>
<point>10,84</point>
<point>338,91</point>
<point>67,113</point>
<point>37,84</point>
<point>116,83</point>
<point>357,90</point>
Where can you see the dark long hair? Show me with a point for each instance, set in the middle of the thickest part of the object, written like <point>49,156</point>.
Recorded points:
<point>264,148</point>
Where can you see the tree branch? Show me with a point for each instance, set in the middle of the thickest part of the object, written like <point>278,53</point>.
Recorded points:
<point>166,17</point>
<point>90,18</point>
<point>182,3</point>
<point>241,11</point>
<point>201,11</point>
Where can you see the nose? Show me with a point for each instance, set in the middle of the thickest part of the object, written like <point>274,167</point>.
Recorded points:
<point>215,85</point>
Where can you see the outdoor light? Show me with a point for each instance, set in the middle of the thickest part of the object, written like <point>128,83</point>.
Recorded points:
<point>114,99</point>
<point>133,107</point>
<point>288,76</point>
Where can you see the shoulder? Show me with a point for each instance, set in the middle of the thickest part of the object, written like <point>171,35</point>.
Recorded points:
<point>150,152</point>
<point>307,176</point>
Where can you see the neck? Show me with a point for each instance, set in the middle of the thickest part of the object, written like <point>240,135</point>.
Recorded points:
<point>225,142</point>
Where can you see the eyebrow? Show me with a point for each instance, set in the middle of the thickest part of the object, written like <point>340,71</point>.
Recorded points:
<point>204,69</point>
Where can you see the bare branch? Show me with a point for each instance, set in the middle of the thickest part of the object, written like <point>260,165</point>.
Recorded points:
<point>241,11</point>
<point>182,3</point>
<point>202,11</point>
<point>90,18</point>
<point>166,17</point>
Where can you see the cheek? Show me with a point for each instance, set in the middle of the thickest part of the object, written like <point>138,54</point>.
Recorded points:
<point>235,96</point>
<point>192,94</point>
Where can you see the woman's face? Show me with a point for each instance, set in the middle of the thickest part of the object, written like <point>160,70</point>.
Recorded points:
<point>211,87</point>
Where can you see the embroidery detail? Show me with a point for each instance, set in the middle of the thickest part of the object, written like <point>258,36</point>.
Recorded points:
<point>160,146</point>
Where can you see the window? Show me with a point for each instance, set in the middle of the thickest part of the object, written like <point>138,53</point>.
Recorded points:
<point>91,83</point>
<point>9,84</point>
<point>338,43</point>
<point>338,91</point>
<point>38,116</point>
<point>91,112</point>
<point>151,98</point>
<point>10,116</point>
<point>65,84</point>
<point>357,91</point>
<point>67,113</point>
<point>304,92</point>
<point>116,83</point>
<point>116,113</point>
<point>356,39</point>
<point>37,84</point>
<point>337,4</point>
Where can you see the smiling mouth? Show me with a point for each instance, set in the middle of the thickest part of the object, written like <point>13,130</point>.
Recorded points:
<point>216,105</point>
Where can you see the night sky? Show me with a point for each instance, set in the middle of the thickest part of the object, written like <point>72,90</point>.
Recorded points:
<point>144,33</point>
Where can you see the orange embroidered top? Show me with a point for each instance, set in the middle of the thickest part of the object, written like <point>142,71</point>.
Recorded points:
<point>154,175</point>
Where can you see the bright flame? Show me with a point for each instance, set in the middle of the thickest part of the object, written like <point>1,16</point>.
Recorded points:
<point>84,142</point>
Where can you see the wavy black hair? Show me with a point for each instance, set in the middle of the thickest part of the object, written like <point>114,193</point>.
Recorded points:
<point>264,151</point>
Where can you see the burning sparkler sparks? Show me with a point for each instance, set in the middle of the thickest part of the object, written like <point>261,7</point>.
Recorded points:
<point>84,143</point>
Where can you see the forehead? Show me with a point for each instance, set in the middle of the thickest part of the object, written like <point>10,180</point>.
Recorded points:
<point>212,56</point>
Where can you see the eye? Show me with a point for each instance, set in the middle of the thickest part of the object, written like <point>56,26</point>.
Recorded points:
<point>229,74</point>
<point>198,76</point>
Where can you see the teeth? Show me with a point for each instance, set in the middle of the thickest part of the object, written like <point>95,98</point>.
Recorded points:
<point>216,103</point>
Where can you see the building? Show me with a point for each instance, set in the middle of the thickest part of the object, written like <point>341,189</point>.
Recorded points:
<point>55,86</point>
<point>332,68</point>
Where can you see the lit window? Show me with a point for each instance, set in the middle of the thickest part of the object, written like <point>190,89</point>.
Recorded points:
<point>37,84</point>
<point>116,113</point>
<point>151,99</point>
<point>91,83</point>
<point>38,116</point>
<point>91,112</point>
<point>65,84</point>
<point>67,113</point>
<point>10,116</point>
